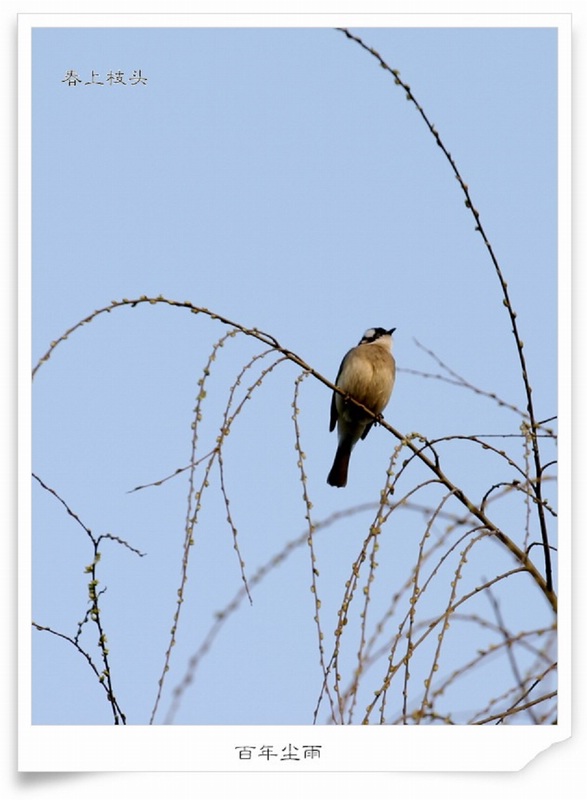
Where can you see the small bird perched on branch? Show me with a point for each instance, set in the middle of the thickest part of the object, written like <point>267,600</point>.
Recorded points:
<point>367,374</point>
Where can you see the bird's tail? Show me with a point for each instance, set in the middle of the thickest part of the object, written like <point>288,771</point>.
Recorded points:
<point>340,467</point>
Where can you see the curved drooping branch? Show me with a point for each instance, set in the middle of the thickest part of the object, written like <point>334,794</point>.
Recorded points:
<point>418,452</point>
<point>519,344</point>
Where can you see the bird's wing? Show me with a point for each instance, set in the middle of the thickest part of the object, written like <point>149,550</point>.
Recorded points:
<point>367,429</point>
<point>333,412</point>
<point>333,409</point>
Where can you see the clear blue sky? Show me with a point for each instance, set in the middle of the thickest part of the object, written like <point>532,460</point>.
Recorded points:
<point>279,178</point>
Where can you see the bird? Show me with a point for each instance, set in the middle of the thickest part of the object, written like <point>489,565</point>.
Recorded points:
<point>367,374</point>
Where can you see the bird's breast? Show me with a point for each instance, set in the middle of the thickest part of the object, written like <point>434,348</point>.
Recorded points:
<point>368,375</point>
